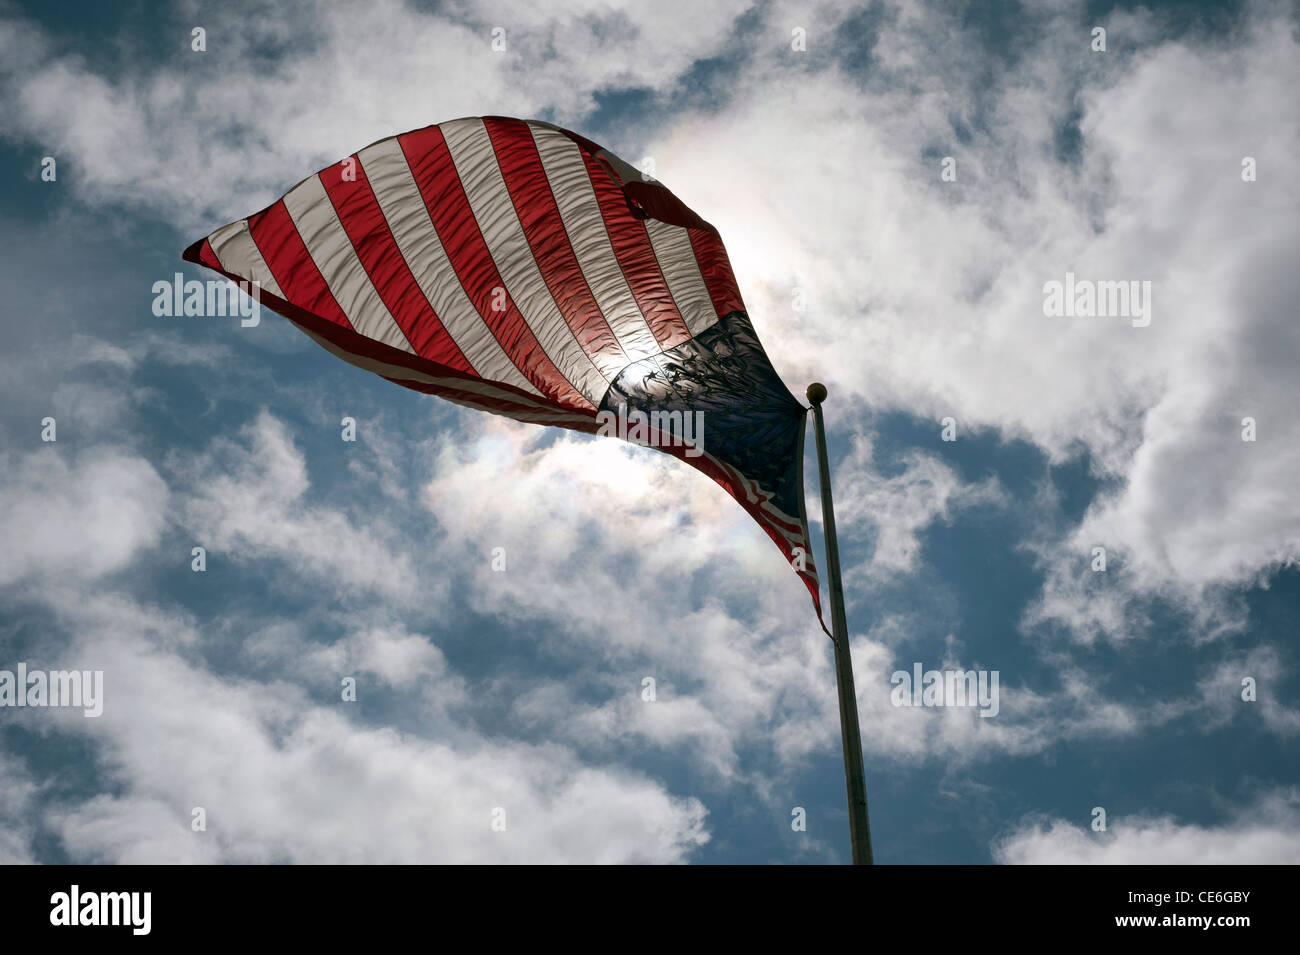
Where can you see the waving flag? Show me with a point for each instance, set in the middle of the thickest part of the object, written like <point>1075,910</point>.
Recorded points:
<point>521,269</point>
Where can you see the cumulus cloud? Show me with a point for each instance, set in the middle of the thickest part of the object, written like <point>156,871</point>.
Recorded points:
<point>898,507</point>
<point>606,518</point>
<point>1249,687</point>
<point>335,82</point>
<point>77,517</point>
<point>625,509</point>
<point>1027,720</point>
<point>1267,833</point>
<point>398,659</point>
<point>18,811</point>
<point>249,499</point>
<point>285,779</point>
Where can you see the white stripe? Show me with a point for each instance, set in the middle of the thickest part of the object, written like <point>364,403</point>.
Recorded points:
<point>330,248</point>
<point>580,212</point>
<point>238,254</point>
<point>476,164</point>
<point>672,245</point>
<point>408,219</point>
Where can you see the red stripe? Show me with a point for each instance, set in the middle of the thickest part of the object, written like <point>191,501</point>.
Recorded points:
<point>291,264</point>
<point>453,219</point>
<point>636,256</point>
<point>208,256</point>
<point>539,214</point>
<point>715,267</point>
<point>359,212</point>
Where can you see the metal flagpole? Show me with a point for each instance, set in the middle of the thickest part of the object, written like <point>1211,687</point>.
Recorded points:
<point>859,827</point>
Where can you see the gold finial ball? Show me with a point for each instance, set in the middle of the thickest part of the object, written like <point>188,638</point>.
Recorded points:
<point>816,392</point>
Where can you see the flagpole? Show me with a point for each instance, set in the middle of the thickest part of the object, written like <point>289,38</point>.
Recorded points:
<point>850,735</point>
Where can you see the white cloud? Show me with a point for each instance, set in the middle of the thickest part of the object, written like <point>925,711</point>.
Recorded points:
<point>1223,690</point>
<point>400,660</point>
<point>18,812</point>
<point>582,519</point>
<point>285,779</point>
<point>174,138</point>
<point>1267,833</point>
<point>897,508</point>
<point>78,520</point>
<point>250,501</point>
<point>642,526</point>
<point>1028,721</point>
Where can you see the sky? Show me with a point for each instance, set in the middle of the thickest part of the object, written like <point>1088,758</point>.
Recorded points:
<point>897,185</point>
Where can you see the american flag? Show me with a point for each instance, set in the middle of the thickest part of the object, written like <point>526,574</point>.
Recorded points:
<point>519,268</point>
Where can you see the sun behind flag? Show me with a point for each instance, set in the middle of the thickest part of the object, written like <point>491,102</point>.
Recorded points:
<point>518,268</point>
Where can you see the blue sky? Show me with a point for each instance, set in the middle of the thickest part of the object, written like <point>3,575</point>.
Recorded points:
<point>521,689</point>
